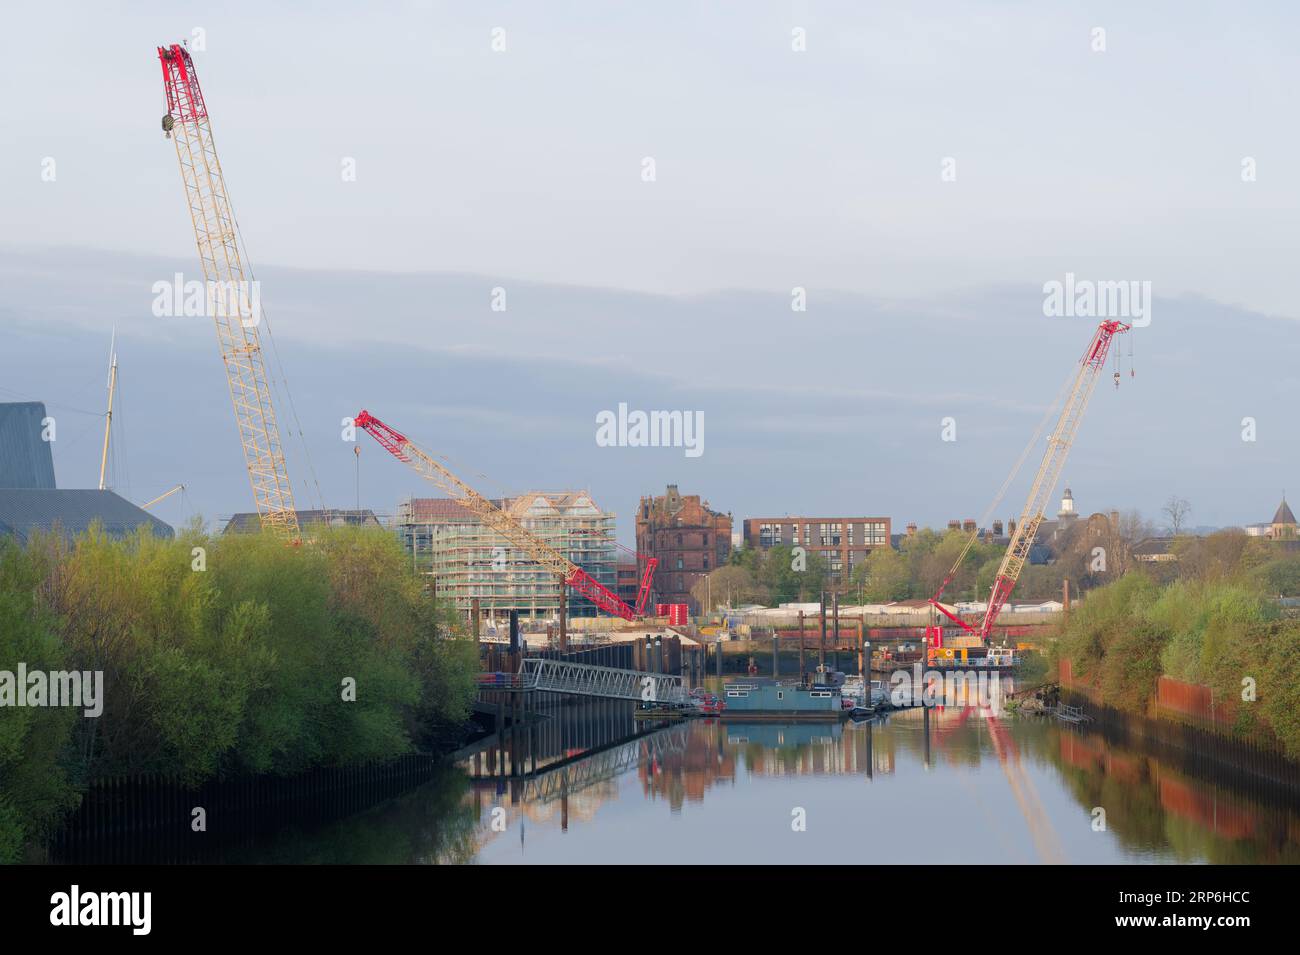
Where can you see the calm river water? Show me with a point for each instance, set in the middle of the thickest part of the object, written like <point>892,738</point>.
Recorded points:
<point>984,789</point>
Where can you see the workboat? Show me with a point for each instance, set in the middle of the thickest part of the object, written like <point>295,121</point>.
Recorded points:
<point>857,694</point>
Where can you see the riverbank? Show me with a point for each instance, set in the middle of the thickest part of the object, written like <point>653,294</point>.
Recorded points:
<point>219,657</point>
<point>1223,640</point>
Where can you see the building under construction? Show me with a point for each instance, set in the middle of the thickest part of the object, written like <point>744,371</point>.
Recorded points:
<point>467,559</point>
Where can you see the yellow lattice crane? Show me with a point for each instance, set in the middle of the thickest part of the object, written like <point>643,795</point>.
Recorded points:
<point>230,297</point>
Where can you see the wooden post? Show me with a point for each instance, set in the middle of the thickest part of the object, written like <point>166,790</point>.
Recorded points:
<point>564,617</point>
<point>864,664</point>
<point>719,658</point>
<point>776,652</point>
<point>1065,597</point>
<point>802,666</point>
<point>821,647</point>
<point>474,617</point>
<point>835,641</point>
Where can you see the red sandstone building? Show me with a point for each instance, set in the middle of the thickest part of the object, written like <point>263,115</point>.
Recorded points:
<point>844,541</point>
<point>689,538</point>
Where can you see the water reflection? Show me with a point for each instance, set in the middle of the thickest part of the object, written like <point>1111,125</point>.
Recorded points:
<point>957,784</point>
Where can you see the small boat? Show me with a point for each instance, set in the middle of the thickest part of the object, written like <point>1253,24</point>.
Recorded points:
<point>657,711</point>
<point>1071,714</point>
<point>865,696</point>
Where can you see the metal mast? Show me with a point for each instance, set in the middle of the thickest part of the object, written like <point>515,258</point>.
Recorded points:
<point>188,124</point>
<point>108,418</point>
<point>498,520</point>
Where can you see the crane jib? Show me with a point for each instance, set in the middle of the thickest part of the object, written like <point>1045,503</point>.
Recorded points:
<point>498,520</point>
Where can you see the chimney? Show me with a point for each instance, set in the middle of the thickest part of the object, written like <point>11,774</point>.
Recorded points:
<point>997,528</point>
<point>968,525</point>
<point>954,525</point>
<point>911,529</point>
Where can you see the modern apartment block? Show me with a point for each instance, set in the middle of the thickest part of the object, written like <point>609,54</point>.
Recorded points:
<point>843,541</point>
<point>689,538</point>
<point>468,560</point>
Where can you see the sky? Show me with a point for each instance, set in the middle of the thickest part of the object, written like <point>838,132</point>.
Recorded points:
<point>920,170</point>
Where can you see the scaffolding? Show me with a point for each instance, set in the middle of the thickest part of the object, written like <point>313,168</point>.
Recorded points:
<point>467,560</point>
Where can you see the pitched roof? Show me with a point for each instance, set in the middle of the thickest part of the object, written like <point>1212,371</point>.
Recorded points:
<point>435,510</point>
<point>25,457</point>
<point>1153,546</point>
<point>1283,515</point>
<point>247,521</point>
<point>24,510</point>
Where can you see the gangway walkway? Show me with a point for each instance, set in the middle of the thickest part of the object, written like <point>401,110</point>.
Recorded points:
<point>584,679</point>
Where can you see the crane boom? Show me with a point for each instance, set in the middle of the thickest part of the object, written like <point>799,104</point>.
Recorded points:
<point>643,592</point>
<point>498,520</point>
<point>215,232</point>
<point>1049,472</point>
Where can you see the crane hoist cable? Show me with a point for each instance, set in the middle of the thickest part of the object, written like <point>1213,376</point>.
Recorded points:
<point>1006,485</point>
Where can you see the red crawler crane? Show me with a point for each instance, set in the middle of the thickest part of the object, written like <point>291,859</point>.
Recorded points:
<point>1049,473</point>
<point>498,520</point>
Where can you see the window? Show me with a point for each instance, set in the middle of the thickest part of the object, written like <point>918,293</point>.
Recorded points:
<point>780,694</point>
<point>743,693</point>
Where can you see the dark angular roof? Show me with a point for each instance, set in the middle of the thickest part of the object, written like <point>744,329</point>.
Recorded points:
<point>25,458</point>
<point>247,521</point>
<point>24,510</point>
<point>1283,515</point>
<point>1153,546</point>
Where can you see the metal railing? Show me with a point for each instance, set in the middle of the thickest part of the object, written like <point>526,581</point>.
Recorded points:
<point>584,679</point>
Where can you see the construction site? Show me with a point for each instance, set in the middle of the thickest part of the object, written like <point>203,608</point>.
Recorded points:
<point>542,564</point>
<point>431,600</point>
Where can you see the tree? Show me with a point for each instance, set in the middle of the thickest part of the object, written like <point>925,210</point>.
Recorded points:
<point>1178,510</point>
<point>883,576</point>
<point>793,574</point>
<point>728,586</point>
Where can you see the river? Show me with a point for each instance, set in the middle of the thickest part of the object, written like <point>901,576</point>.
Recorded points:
<point>1005,789</point>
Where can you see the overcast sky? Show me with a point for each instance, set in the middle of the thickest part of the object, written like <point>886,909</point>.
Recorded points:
<point>773,169</point>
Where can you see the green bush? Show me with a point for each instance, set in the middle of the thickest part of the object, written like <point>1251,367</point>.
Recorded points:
<point>36,787</point>
<point>247,665</point>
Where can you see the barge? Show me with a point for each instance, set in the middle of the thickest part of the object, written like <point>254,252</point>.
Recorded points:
<point>751,702</point>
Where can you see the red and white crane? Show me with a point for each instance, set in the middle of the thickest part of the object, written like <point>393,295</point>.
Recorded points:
<point>216,233</point>
<point>504,524</point>
<point>1091,364</point>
